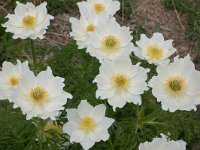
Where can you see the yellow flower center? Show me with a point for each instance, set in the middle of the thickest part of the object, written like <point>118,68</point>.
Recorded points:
<point>54,127</point>
<point>198,95</point>
<point>155,52</point>
<point>29,21</point>
<point>13,81</point>
<point>38,95</point>
<point>110,43</point>
<point>175,85</point>
<point>88,124</point>
<point>121,81</point>
<point>90,28</point>
<point>98,7</point>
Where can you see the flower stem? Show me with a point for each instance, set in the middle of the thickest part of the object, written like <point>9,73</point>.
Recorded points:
<point>137,125</point>
<point>40,133</point>
<point>33,56</point>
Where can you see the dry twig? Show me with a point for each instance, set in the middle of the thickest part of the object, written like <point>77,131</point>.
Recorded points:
<point>178,17</point>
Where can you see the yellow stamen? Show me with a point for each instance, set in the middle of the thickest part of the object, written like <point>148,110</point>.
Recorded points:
<point>13,81</point>
<point>110,43</point>
<point>38,95</point>
<point>155,52</point>
<point>90,28</point>
<point>175,85</point>
<point>98,7</point>
<point>121,81</point>
<point>29,21</point>
<point>88,124</point>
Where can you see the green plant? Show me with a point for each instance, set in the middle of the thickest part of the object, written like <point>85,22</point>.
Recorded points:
<point>133,124</point>
<point>8,49</point>
<point>126,9</point>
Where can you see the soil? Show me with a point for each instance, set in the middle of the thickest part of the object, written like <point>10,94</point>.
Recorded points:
<point>145,13</point>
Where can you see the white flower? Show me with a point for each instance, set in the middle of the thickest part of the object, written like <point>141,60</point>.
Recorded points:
<point>82,29</point>
<point>87,124</point>
<point>28,21</point>
<point>155,50</point>
<point>10,77</point>
<point>110,41</point>
<point>120,82</point>
<point>40,96</point>
<point>176,85</point>
<point>100,6</point>
<point>163,144</point>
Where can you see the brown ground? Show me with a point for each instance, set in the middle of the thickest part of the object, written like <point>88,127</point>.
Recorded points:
<point>148,12</point>
<point>145,13</point>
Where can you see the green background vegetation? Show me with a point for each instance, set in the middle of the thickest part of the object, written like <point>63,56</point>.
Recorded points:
<point>133,124</point>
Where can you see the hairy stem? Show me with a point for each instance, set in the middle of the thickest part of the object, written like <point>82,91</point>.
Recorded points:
<point>33,56</point>
<point>40,132</point>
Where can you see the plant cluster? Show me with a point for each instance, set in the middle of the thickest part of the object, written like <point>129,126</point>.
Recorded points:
<point>121,111</point>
